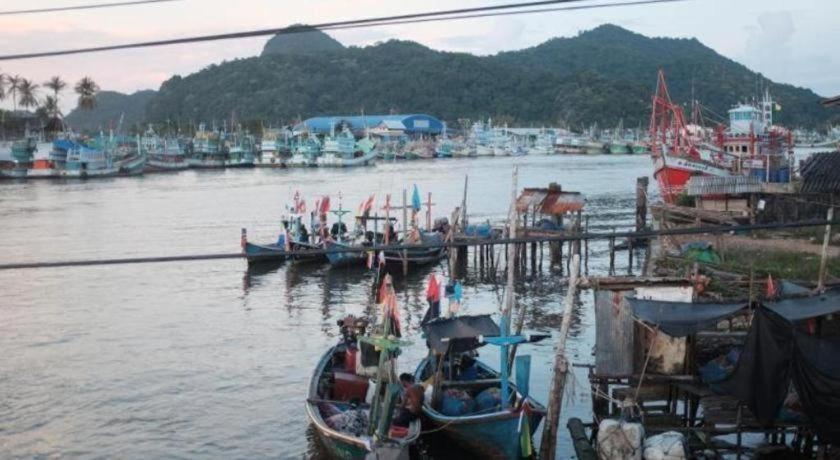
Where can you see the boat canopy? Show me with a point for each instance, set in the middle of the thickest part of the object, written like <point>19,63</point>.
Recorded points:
<point>679,319</point>
<point>460,333</point>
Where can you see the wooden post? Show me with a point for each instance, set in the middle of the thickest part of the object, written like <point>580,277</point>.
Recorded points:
<point>429,213</point>
<point>558,383</point>
<point>586,248</point>
<point>405,214</point>
<point>388,225</point>
<point>405,231</point>
<point>464,203</point>
<point>824,256</point>
<point>612,254</point>
<point>641,203</point>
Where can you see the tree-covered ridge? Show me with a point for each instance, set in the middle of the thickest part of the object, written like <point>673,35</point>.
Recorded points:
<point>110,105</point>
<point>599,76</point>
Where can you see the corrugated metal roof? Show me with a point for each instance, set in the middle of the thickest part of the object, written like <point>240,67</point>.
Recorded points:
<point>713,185</point>
<point>821,173</point>
<point>549,201</point>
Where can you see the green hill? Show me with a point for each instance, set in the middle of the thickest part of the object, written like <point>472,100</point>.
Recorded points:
<point>601,76</point>
<point>311,42</point>
<point>110,105</point>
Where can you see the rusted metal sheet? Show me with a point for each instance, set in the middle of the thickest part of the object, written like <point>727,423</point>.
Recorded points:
<point>614,333</point>
<point>550,201</point>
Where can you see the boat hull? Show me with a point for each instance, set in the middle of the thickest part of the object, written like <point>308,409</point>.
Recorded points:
<point>346,446</point>
<point>206,163</point>
<point>490,435</point>
<point>344,259</point>
<point>673,173</point>
<point>332,161</point>
<point>261,253</point>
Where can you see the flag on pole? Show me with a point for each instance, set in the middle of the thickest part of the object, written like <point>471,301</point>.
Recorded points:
<point>325,205</point>
<point>416,203</point>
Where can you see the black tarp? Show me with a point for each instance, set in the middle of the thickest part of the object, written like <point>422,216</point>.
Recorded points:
<point>460,333</point>
<point>777,354</point>
<point>679,319</point>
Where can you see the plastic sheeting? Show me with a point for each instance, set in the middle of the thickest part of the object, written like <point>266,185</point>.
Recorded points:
<point>807,307</point>
<point>460,333</point>
<point>777,355</point>
<point>679,319</point>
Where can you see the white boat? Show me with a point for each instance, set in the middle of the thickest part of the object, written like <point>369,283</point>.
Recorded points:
<point>83,162</point>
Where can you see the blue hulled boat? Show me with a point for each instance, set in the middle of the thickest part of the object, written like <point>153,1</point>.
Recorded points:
<point>474,405</point>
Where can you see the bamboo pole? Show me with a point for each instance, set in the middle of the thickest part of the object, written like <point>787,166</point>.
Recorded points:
<point>824,255</point>
<point>558,383</point>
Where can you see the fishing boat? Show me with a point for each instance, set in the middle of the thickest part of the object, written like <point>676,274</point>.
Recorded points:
<point>617,144</point>
<point>419,149</point>
<point>444,146</point>
<point>273,148</point>
<point>473,405</point>
<point>206,150</point>
<point>420,256</point>
<point>239,150</point>
<point>16,158</point>
<point>639,147</point>
<point>341,150</point>
<point>44,166</point>
<point>260,253</point>
<point>162,154</point>
<point>347,426</point>
<point>85,162</point>
<point>463,149</point>
<point>543,144</point>
<point>751,146</point>
<point>305,151</point>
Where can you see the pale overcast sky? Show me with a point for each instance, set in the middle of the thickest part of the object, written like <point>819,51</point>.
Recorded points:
<point>788,41</point>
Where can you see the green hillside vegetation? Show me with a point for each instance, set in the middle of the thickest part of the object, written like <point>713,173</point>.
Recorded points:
<point>599,76</point>
<point>110,105</point>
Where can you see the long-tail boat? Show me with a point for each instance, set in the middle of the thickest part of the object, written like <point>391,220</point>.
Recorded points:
<point>348,427</point>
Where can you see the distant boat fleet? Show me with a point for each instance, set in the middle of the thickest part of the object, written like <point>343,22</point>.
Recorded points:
<point>109,155</point>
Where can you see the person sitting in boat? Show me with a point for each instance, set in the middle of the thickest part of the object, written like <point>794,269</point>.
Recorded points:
<point>303,235</point>
<point>281,240</point>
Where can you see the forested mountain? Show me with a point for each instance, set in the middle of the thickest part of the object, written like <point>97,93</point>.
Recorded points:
<point>110,105</point>
<point>312,42</point>
<point>599,76</point>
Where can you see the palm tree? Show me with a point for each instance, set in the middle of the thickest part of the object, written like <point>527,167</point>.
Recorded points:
<point>2,86</point>
<point>27,93</point>
<point>56,84</point>
<point>86,88</point>
<point>14,85</point>
<point>50,106</point>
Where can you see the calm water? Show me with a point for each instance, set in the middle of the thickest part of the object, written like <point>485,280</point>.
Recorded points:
<point>203,359</point>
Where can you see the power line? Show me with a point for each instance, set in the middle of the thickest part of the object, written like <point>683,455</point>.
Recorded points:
<point>90,6</point>
<point>444,15</point>
<point>636,235</point>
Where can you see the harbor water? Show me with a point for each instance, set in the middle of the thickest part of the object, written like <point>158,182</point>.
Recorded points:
<point>205,359</point>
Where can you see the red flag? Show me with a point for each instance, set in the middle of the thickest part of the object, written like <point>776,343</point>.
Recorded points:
<point>771,287</point>
<point>433,289</point>
<point>325,205</point>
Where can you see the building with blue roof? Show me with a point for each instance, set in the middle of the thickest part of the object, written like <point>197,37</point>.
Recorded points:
<point>410,124</point>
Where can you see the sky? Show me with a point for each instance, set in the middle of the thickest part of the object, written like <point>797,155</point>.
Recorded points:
<point>788,41</point>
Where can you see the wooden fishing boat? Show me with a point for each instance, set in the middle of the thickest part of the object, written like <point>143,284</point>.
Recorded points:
<point>422,255</point>
<point>338,258</point>
<point>501,431</point>
<point>257,253</point>
<point>346,426</point>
